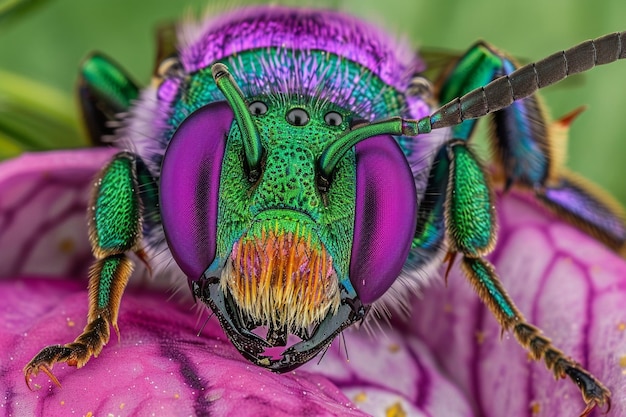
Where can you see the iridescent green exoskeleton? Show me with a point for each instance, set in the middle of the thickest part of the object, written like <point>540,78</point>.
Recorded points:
<point>286,179</point>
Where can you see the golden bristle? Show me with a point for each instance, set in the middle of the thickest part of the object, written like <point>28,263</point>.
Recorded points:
<point>285,279</point>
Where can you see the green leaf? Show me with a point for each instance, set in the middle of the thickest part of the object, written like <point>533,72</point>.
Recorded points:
<point>34,116</point>
<point>10,10</point>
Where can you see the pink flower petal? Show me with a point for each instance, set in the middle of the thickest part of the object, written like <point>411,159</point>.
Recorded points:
<point>42,212</point>
<point>160,366</point>
<point>564,281</point>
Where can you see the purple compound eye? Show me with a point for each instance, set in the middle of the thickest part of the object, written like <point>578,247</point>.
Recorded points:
<point>386,214</point>
<point>190,180</point>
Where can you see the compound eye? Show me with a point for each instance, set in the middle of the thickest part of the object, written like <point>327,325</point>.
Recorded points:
<point>385,216</point>
<point>297,117</point>
<point>332,118</point>
<point>190,177</point>
<point>257,108</point>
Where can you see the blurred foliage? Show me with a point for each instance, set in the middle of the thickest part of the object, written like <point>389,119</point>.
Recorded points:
<point>47,44</point>
<point>11,10</point>
<point>34,116</point>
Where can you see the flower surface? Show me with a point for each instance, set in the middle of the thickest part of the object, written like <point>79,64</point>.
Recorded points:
<point>447,359</point>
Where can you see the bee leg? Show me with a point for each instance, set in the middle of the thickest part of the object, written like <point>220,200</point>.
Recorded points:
<point>483,278</point>
<point>530,148</point>
<point>470,221</point>
<point>430,230</point>
<point>521,135</point>
<point>115,227</point>
<point>481,64</point>
<point>587,207</point>
<point>104,90</point>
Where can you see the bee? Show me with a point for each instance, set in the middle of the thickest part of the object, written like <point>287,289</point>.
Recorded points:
<point>292,163</point>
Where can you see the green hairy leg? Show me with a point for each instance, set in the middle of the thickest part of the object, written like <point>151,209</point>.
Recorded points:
<point>529,147</point>
<point>115,227</point>
<point>471,229</point>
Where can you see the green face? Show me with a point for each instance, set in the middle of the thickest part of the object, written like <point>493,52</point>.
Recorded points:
<point>286,243</point>
<point>306,210</point>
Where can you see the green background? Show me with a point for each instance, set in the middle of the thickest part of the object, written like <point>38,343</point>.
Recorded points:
<point>48,43</point>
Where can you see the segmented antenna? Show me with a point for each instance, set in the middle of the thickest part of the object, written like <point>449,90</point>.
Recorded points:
<point>250,134</point>
<point>482,101</point>
<point>525,81</point>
